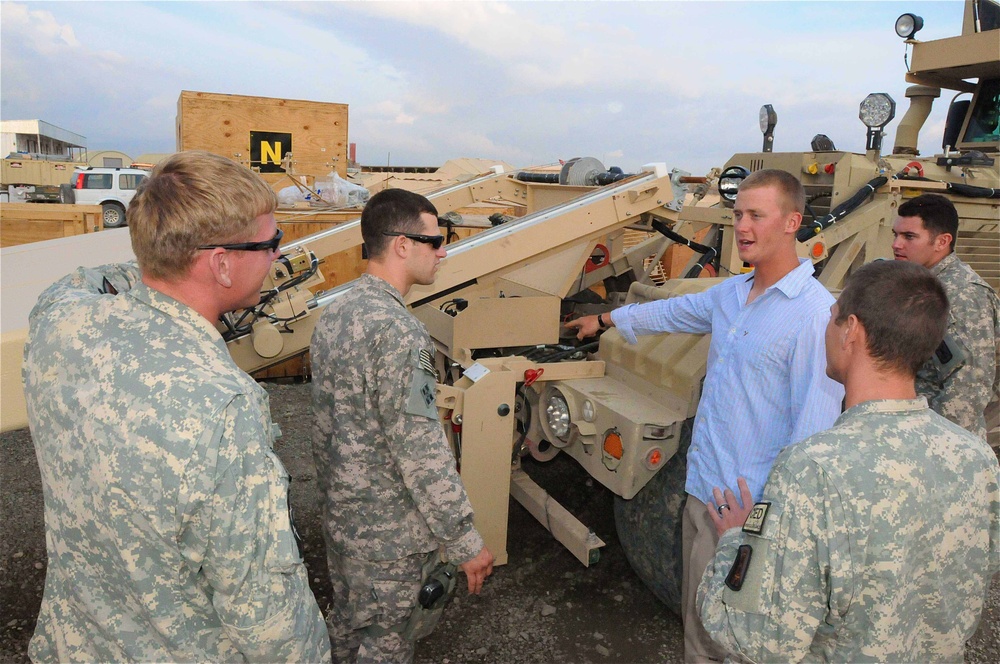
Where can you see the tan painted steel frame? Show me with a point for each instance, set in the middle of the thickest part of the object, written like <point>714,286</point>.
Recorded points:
<point>515,275</point>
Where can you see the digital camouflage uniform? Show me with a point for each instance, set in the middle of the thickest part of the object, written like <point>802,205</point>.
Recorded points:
<point>391,494</point>
<point>961,391</point>
<point>875,541</point>
<point>166,514</point>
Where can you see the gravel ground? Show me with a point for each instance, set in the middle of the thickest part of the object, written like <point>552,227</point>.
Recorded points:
<point>543,606</point>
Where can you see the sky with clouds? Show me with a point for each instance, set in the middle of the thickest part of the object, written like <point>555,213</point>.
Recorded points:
<point>525,82</point>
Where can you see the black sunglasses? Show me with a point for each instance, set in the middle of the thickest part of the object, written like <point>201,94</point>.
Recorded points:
<point>434,240</point>
<point>267,245</point>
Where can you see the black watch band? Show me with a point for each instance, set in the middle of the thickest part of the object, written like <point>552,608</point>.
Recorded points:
<point>600,323</point>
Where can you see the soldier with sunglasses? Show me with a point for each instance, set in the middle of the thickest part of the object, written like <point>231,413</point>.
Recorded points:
<point>393,502</point>
<point>166,509</point>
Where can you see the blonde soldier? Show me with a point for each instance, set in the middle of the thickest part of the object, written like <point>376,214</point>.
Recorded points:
<point>876,539</point>
<point>166,510</point>
<point>765,385</point>
<point>389,489</point>
<point>963,375</point>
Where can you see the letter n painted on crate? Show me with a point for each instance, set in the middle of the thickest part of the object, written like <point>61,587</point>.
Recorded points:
<point>267,148</point>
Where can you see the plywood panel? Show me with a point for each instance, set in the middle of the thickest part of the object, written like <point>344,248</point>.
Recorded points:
<point>221,124</point>
<point>21,223</point>
<point>337,268</point>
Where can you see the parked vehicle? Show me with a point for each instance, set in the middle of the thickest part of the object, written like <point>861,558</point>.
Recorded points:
<point>111,188</point>
<point>36,178</point>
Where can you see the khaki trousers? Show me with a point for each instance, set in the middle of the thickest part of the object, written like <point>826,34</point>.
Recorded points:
<point>698,540</point>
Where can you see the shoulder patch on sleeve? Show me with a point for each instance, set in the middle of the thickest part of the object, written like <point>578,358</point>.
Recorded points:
<point>755,522</point>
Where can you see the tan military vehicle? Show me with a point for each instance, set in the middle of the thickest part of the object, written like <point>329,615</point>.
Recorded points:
<point>589,240</point>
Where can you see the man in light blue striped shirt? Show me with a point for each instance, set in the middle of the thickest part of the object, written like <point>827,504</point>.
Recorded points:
<point>766,385</point>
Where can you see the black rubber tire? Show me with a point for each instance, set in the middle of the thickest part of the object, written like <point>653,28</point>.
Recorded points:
<point>113,214</point>
<point>67,194</point>
<point>649,527</point>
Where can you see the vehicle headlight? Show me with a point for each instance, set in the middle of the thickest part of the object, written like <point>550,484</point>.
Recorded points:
<point>877,110</point>
<point>557,415</point>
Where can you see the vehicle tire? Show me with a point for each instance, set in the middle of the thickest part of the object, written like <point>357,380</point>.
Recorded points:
<point>649,527</point>
<point>67,194</point>
<point>114,215</point>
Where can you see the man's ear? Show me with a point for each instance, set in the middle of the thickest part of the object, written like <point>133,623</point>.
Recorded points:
<point>943,241</point>
<point>220,264</point>
<point>793,222</point>
<point>399,246</point>
<point>854,332</point>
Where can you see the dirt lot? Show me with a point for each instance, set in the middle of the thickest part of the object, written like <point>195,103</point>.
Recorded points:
<point>601,614</point>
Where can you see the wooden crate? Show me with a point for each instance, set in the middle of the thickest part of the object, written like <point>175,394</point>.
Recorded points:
<point>21,223</point>
<point>224,125</point>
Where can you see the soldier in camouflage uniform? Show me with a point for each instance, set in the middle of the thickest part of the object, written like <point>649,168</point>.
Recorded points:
<point>391,496</point>
<point>166,510</point>
<point>963,375</point>
<point>875,540</point>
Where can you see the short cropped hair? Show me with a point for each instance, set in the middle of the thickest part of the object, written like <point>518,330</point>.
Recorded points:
<point>793,195</point>
<point>392,210</point>
<point>192,199</point>
<point>936,211</point>
<point>903,308</point>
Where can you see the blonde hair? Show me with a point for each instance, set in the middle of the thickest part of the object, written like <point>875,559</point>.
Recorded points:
<point>793,195</point>
<point>192,199</point>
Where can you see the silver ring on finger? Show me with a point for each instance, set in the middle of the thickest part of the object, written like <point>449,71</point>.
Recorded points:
<point>723,506</point>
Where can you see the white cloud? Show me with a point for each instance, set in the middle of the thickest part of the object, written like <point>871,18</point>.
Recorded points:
<point>637,82</point>
<point>39,29</point>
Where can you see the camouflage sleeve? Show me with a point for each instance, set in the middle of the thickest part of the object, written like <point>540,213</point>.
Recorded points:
<point>88,282</point>
<point>419,448</point>
<point>770,585</point>
<point>240,537</point>
<point>961,393</point>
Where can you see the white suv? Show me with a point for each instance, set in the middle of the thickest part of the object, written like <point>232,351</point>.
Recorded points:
<point>111,188</point>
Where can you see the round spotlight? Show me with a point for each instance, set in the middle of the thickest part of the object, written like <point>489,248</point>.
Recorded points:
<point>768,119</point>
<point>729,182</point>
<point>908,25</point>
<point>877,110</point>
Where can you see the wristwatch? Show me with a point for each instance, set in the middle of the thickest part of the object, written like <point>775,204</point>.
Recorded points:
<point>600,323</point>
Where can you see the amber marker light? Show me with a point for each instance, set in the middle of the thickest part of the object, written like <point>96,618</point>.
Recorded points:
<point>818,249</point>
<point>613,449</point>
